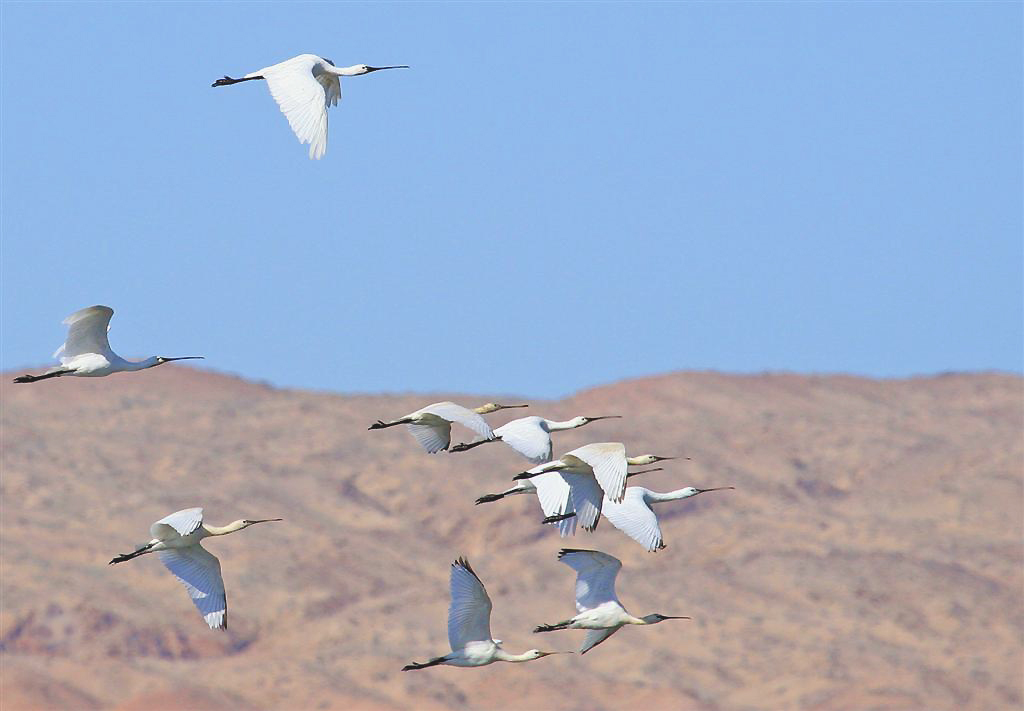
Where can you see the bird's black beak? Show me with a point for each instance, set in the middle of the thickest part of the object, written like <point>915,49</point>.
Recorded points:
<point>377,69</point>
<point>265,520</point>
<point>645,471</point>
<point>605,417</point>
<point>719,488</point>
<point>672,617</point>
<point>168,360</point>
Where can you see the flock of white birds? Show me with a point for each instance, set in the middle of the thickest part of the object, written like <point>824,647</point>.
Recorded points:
<point>575,489</point>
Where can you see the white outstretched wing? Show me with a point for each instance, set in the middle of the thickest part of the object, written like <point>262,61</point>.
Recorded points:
<point>553,494</point>
<point>87,332</point>
<point>302,99</point>
<point>464,416</point>
<point>432,438</point>
<point>527,437</point>
<point>586,497</point>
<point>469,615</point>
<point>608,460</point>
<point>635,518</point>
<point>595,637</point>
<point>179,523</point>
<point>595,576</point>
<point>199,571</point>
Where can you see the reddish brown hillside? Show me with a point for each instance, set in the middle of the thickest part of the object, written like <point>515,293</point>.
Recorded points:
<point>870,556</point>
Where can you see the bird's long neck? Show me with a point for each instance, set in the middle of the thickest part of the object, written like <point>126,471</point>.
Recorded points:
<point>656,496</point>
<point>141,364</point>
<point>555,425</point>
<point>502,656</point>
<point>637,460</point>
<point>630,620</point>
<point>224,530</point>
<point>353,71</point>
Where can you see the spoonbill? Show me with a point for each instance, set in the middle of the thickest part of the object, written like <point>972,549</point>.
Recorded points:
<point>600,611</point>
<point>634,515</point>
<point>469,626</point>
<point>531,436</point>
<point>590,470</point>
<point>553,493</point>
<point>432,425</point>
<point>303,88</point>
<point>86,352</point>
<point>176,538</point>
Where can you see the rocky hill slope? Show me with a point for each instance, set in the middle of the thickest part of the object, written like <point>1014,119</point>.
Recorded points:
<point>870,556</point>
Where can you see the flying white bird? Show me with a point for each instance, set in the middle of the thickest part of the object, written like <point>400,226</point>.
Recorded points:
<point>304,87</point>
<point>531,436</point>
<point>432,425</point>
<point>592,472</point>
<point>554,494</point>
<point>634,515</point>
<point>176,539</point>
<point>86,352</point>
<point>469,626</point>
<point>600,611</point>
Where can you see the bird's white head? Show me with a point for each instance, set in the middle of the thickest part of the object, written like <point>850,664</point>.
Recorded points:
<point>656,618</point>
<point>647,459</point>
<point>245,523</point>
<point>587,420</point>
<point>693,491</point>
<point>366,69</point>
<point>537,654</point>
<point>494,407</point>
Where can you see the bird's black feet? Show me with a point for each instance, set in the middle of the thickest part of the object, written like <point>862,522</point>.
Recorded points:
<point>226,81</point>
<point>551,628</point>
<point>488,498</point>
<point>121,558</point>
<point>558,517</point>
<point>44,376</point>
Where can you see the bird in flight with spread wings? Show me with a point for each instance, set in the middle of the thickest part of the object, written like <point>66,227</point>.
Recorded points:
<point>432,425</point>
<point>598,607</point>
<point>176,540</point>
<point>469,626</point>
<point>303,88</point>
<point>86,351</point>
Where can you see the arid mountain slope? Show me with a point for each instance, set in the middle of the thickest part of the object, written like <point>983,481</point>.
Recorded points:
<point>870,556</point>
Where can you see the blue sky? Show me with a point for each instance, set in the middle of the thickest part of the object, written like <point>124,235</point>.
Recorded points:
<point>554,196</point>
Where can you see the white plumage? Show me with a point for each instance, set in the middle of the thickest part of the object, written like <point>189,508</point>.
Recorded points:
<point>432,425</point>
<point>469,626</point>
<point>86,351</point>
<point>303,87</point>
<point>598,608</point>
<point>176,539</point>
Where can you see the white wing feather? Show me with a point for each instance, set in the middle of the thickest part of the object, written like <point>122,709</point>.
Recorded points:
<point>527,437</point>
<point>469,615</point>
<point>179,523</point>
<point>87,332</point>
<point>432,438</point>
<point>302,98</point>
<point>595,576</point>
<point>586,497</point>
<point>457,413</point>
<point>199,571</point>
<point>595,637</point>
<point>608,460</point>
<point>553,493</point>
<point>635,518</point>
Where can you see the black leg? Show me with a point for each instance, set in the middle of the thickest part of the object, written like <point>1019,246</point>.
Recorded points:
<point>228,81</point>
<point>44,376</point>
